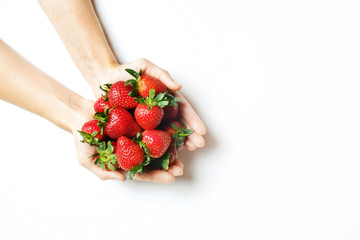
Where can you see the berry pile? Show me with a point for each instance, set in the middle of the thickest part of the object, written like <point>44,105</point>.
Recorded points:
<point>135,126</point>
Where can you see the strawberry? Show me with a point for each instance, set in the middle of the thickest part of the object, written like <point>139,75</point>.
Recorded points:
<point>170,112</point>
<point>173,153</point>
<point>144,83</point>
<point>147,82</point>
<point>100,104</point>
<point>148,118</point>
<point>105,156</point>
<point>118,95</point>
<point>178,132</point>
<point>172,126</point>
<point>130,156</point>
<point>118,122</point>
<point>91,132</point>
<point>149,112</point>
<point>157,141</point>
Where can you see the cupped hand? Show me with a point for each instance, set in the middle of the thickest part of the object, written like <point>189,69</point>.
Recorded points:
<point>189,116</point>
<point>84,150</point>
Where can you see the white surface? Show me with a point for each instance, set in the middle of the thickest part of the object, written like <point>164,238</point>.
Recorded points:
<point>277,84</point>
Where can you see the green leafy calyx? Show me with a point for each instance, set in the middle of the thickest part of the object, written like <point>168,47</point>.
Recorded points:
<point>89,138</point>
<point>105,156</point>
<point>161,162</point>
<point>161,99</point>
<point>103,118</point>
<point>180,134</point>
<point>105,88</point>
<point>134,82</point>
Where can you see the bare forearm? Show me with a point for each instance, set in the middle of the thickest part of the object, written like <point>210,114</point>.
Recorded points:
<point>24,85</point>
<point>80,30</point>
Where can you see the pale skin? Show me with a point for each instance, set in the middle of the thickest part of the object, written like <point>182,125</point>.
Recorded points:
<point>81,32</point>
<point>26,86</point>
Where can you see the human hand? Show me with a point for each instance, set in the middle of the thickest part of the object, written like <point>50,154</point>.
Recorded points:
<point>191,119</point>
<point>85,150</point>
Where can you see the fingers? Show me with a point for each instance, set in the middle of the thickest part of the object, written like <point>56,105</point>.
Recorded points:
<point>106,175</point>
<point>161,176</point>
<point>179,163</point>
<point>192,121</point>
<point>189,145</point>
<point>190,117</point>
<point>176,168</point>
<point>158,176</point>
<point>197,140</point>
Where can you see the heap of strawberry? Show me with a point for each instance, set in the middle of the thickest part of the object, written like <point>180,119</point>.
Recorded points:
<point>135,126</point>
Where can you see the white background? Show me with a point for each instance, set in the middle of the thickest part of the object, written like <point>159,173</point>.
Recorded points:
<point>277,85</point>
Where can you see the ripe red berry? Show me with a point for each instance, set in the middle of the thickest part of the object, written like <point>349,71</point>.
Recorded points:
<point>178,132</point>
<point>146,83</point>
<point>99,105</point>
<point>173,153</point>
<point>148,118</point>
<point>170,112</point>
<point>91,132</point>
<point>121,123</point>
<point>128,153</point>
<point>157,141</point>
<point>119,96</point>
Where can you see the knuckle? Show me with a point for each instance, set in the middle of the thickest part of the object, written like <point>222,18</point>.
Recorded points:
<point>82,163</point>
<point>143,60</point>
<point>166,72</point>
<point>102,177</point>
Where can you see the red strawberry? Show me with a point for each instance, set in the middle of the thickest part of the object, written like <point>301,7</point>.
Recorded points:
<point>149,112</point>
<point>147,82</point>
<point>171,129</point>
<point>144,83</point>
<point>129,154</point>
<point>105,156</point>
<point>170,112</point>
<point>148,118</point>
<point>91,132</point>
<point>121,123</point>
<point>178,132</point>
<point>173,153</point>
<point>100,105</point>
<point>157,141</point>
<point>118,95</point>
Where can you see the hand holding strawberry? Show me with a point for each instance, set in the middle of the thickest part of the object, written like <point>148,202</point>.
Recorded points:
<point>84,151</point>
<point>191,119</point>
<point>150,149</point>
<point>138,106</point>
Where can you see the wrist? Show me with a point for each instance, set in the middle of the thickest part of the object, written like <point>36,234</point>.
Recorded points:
<point>101,74</point>
<point>69,111</point>
<point>80,111</point>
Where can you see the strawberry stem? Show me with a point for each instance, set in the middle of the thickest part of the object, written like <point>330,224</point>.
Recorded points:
<point>102,118</point>
<point>133,73</point>
<point>89,138</point>
<point>105,88</point>
<point>105,156</point>
<point>180,134</point>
